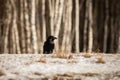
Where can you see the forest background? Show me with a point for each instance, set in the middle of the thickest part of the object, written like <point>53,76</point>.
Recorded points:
<point>79,25</point>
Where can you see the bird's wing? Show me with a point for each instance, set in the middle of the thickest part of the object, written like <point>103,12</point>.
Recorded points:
<point>44,47</point>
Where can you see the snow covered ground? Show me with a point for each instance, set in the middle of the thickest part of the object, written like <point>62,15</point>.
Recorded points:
<point>50,67</point>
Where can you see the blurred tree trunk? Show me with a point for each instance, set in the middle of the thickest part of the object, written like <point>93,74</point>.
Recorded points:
<point>0,39</point>
<point>43,21</point>
<point>2,13</point>
<point>7,25</point>
<point>77,42</point>
<point>33,27</point>
<point>106,26</point>
<point>66,43</point>
<point>51,14</point>
<point>69,25</point>
<point>112,36</point>
<point>64,17</point>
<point>27,27</point>
<point>85,27</point>
<point>90,43</point>
<point>119,42</point>
<point>38,30</point>
<point>15,28</point>
<point>22,25</point>
<point>95,26</point>
<point>58,18</point>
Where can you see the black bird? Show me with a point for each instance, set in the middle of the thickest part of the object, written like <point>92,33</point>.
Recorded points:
<point>49,45</point>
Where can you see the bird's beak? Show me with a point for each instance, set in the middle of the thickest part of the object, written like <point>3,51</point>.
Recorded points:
<point>55,38</point>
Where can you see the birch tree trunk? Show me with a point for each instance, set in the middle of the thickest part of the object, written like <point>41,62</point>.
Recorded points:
<point>51,14</point>
<point>59,13</point>
<point>15,27</point>
<point>112,37</point>
<point>63,45</point>
<point>59,17</point>
<point>38,27</point>
<point>118,51</point>
<point>33,28</point>
<point>43,21</point>
<point>77,42</point>
<point>56,14</point>
<point>67,23</point>
<point>90,43</point>
<point>106,27</point>
<point>69,19</point>
<point>27,27</point>
<point>0,39</point>
<point>22,31</point>
<point>85,27</point>
<point>7,21</point>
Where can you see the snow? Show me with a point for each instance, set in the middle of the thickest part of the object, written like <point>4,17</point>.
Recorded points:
<point>47,67</point>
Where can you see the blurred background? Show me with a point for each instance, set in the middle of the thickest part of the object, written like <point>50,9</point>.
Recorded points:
<point>79,25</point>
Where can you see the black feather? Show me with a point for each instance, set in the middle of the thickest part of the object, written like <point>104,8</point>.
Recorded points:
<point>49,45</point>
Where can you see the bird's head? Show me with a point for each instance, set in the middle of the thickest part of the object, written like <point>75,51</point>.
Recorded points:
<point>51,39</point>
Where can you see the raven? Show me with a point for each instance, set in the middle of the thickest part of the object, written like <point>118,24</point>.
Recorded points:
<point>49,45</point>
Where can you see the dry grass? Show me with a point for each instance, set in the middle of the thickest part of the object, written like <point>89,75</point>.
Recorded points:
<point>89,74</point>
<point>117,74</point>
<point>70,56</point>
<point>1,73</point>
<point>63,54</point>
<point>14,72</point>
<point>87,55</point>
<point>11,79</point>
<point>42,60</point>
<point>46,78</point>
<point>100,60</point>
<point>72,62</point>
<point>66,75</point>
<point>38,73</point>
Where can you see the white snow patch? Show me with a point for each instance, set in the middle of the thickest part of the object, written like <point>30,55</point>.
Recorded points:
<point>27,66</point>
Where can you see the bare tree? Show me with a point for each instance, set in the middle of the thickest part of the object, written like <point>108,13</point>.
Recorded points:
<point>15,28</point>
<point>33,27</point>
<point>106,27</point>
<point>119,43</point>
<point>27,27</point>
<point>43,21</point>
<point>77,42</point>
<point>7,21</point>
<point>90,43</point>
<point>79,25</point>
<point>58,17</point>
<point>22,27</point>
<point>51,14</point>
<point>85,27</point>
<point>38,26</point>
